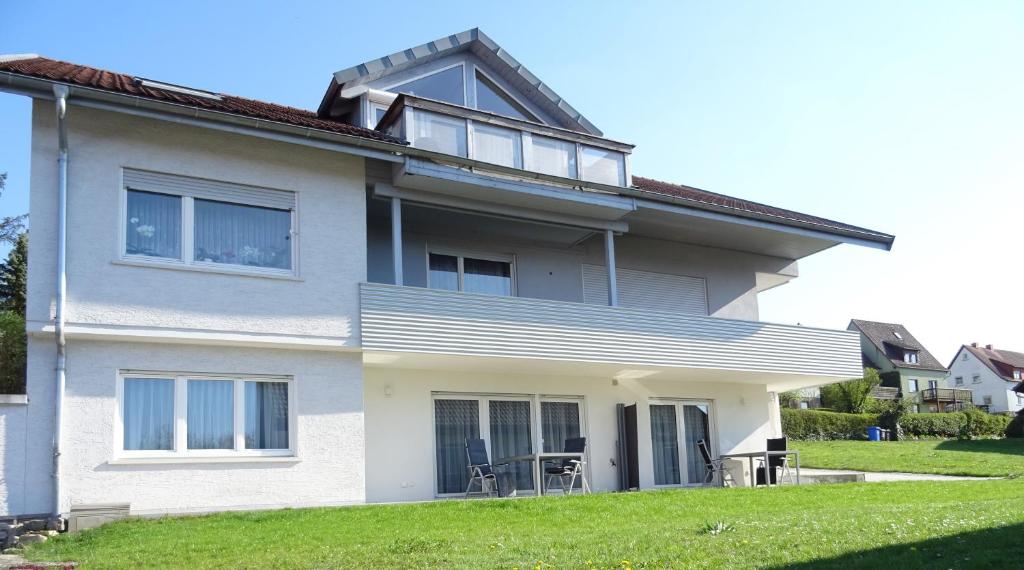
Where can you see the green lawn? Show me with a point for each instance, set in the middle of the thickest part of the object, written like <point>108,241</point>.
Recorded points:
<point>984,458</point>
<point>959,524</point>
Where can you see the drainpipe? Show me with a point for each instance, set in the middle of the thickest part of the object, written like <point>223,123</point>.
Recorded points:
<point>61,94</point>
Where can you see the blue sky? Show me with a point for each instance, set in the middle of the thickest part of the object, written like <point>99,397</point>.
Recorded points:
<point>904,117</point>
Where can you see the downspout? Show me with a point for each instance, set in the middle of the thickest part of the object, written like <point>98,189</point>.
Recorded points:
<point>61,93</point>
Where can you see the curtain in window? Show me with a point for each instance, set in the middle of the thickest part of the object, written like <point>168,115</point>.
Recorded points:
<point>149,413</point>
<point>497,146</point>
<point>665,444</point>
<point>242,235</point>
<point>444,272</point>
<point>153,225</point>
<point>455,421</point>
<point>559,421</point>
<point>695,428</point>
<point>485,276</point>
<point>211,418</point>
<point>266,415</point>
<point>552,156</point>
<point>510,435</point>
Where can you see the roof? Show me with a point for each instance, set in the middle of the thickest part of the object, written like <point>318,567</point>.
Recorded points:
<point>83,76</point>
<point>754,209</point>
<point>991,356</point>
<point>34,66</point>
<point>480,45</point>
<point>881,334</point>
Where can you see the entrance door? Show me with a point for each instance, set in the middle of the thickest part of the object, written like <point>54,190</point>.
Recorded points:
<point>676,427</point>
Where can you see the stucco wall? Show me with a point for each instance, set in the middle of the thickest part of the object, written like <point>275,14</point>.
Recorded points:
<point>1001,391</point>
<point>329,467</point>
<point>331,225</point>
<point>400,421</point>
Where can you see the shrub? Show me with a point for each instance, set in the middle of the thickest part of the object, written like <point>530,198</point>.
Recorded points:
<point>967,424</point>
<point>819,425</point>
<point>1015,428</point>
<point>13,351</point>
<point>980,424</point>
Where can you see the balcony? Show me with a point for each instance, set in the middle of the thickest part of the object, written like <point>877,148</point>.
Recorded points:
<point>945,395</point>
<point>399,320</point>
<point>470,137</point>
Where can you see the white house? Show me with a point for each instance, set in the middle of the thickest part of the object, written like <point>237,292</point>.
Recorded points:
<point>992,374</point>
<point>237,305</point>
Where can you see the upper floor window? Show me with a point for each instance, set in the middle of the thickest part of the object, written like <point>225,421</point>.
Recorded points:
<point>490,97</point>
<point>1016,373</point>
<point>959,380</point>
<point>473,274</point>
<point>198,222</point>
<point>912,385</point>
<point>933,384</point>
<point>910,356</point>
<point>445,85</point>
<point>976,378</point>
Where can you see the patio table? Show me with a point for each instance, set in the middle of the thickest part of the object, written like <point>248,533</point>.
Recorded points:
<point>751,455</point>
<point>538,460</point>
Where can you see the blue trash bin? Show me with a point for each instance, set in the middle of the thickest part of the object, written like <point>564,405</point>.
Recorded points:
<point>874,433</point>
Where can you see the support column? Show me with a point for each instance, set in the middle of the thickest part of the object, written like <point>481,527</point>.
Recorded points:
<point>609,263</point>
<point>396,239</point>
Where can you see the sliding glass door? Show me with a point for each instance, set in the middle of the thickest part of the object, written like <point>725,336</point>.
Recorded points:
<point>455,421</point>
<point>676,427</point>
<point>511,436</point>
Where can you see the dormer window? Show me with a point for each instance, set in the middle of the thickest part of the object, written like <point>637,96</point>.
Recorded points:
<point>490,97</point>
<point>910,356</point>
<point>445,85</point>
<point>1016,373</point>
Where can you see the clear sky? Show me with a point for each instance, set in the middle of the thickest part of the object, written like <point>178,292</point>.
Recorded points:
<point>905,117</point>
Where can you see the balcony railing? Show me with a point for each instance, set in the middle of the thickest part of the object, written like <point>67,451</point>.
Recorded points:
<point>419,320</point>
<point>945,395</point>
<point>507,144</point>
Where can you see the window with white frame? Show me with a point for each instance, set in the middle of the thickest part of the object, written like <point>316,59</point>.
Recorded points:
<point>912,385</point>
<point>204,223</point>
<point>910,356</point>
<point>472,273</point>
<point>1016,373</point>
<point>185,415</point>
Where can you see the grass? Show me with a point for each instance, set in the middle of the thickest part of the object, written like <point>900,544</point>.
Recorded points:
<point>982,458</point>
<point>957,524</point>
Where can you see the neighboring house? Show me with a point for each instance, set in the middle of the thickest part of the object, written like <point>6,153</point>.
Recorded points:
<point>906,365</point>
<point>991,374</point>
<point>268,307</point>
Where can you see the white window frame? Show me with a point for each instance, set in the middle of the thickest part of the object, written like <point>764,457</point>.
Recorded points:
<point>910,356</point>
<point>187,246</point>
<point>683,450</point>
<point>484,419</point>
<point>461,254</point>
<point>181,451</point>
<point>913,385</point>
<point>1016,374</point>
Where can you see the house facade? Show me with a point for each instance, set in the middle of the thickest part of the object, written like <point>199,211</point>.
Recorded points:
<point>992,375</point>
<point>238,305</point>
<point>907,368</point>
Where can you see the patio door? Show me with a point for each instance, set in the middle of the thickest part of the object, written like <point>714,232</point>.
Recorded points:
<point>508,432</point>
<point>676,427</point>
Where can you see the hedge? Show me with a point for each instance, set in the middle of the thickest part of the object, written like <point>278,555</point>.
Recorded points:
<point>820,425</point>
<point>1016,426</point>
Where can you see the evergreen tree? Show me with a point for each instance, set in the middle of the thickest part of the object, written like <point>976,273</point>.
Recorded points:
<point>14,276</point>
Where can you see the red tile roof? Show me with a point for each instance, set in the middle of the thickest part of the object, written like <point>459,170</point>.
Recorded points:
<point>738,205</point>
<point>80,75</point>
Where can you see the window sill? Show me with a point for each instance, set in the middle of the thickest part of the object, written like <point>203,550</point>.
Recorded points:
<point>179,266</point>
<point>210,459</point>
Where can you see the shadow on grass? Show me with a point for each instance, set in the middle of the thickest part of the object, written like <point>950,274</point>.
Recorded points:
<point>999,547</point>
<point>1004,446</point>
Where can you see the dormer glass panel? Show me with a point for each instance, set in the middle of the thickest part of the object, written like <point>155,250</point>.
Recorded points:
<point>552,156</point>
<point>604,166</point>
<point>490,97</point>
<point>440,133</point>
<point>497,145</point>
<point>446,85</point>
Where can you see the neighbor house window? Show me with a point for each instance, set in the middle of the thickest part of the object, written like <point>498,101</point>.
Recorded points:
<point>1020,399</point>
<point>912,385</point>
<point>959,380</point>
<point>987,400</point>
<point>203,223</point>
<point>933,384</point>
<point>910,357</point>
<point>471,273</point>
<point>976,378</point>
<point>1016,374</point>
<point>195,415</point>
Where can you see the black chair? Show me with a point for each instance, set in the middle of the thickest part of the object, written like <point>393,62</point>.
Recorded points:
<point>570,467</point>
<point>778,465</point>
<point>480,470</point>
<point>712,467</point>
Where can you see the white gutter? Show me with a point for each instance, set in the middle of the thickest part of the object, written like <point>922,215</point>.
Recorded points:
<point>60,93</point>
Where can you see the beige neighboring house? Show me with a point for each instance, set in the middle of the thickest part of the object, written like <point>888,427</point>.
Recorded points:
<point>907,367</point>
<point>993,375</point>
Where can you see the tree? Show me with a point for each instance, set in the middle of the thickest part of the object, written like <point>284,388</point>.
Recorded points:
<point>13,351</point>
<point>851,396</point>
<point>10,226</point>
<point>14,276</point>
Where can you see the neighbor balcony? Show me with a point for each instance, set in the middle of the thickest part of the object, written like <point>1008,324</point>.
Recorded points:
<point>952,395</point>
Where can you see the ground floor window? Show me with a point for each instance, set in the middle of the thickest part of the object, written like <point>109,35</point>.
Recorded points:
<point>676,427</point>
<point>510,425</point>
<point>192,414</point>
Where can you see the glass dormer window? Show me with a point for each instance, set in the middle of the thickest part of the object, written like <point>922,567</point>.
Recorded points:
<point>445,85</point>
<point>910,356</point>
<point>490,97</point>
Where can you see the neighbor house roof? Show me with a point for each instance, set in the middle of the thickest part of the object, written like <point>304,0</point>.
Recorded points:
<point>83,76</point>
<point>33,66</point>
<point>882,334</point>
<point>1002,362</point>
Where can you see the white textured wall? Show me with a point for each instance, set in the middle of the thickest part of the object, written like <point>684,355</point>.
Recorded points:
<point>329,470</point>
<point>1003,398</point>
<point>400,427</point>
<point>331,224</point>
<point>13,469</point>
